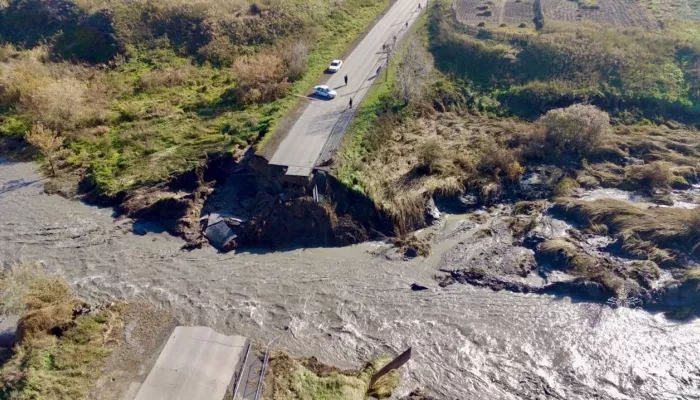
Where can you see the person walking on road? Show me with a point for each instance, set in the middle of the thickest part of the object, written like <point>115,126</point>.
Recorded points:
<point>350,105</point>
<point>406,24</point>
<point>346,80</point>
<point>379,69</point>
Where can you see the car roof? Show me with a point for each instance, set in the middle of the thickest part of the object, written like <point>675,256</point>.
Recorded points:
<point>321,87</point>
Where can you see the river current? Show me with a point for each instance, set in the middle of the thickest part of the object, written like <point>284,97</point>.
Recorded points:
<point>346,305</point>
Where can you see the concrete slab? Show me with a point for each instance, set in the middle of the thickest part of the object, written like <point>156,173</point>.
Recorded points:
<point>197,363</point>
<point>298,171</point>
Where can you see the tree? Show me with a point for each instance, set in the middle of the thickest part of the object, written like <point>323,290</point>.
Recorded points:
<point>414,73</point>
<point>47,141</point>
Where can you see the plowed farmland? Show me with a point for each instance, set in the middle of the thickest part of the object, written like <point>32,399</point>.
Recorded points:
<point>614,12</point>
<point>688,10</point>
<point>479,11</point>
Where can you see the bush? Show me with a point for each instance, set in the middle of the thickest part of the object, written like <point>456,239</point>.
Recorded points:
<point>431,156</point>
<point>565,187</point>
<point>60,105</point>
<point>164,77</point>
<point>47,141</point>
<point>297,60</point>
<point>220,51</point>
<point>260,78</point>
<point>655,175</point>
<point>574,131</point>
<point>500,164</point>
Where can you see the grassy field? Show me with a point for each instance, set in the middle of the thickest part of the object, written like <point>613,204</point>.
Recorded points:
<point>181,79</point>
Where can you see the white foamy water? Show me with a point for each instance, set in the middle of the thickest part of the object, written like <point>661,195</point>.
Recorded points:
<point>346,305</point>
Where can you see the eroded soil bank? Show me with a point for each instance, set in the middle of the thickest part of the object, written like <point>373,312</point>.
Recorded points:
<point>253,200</point>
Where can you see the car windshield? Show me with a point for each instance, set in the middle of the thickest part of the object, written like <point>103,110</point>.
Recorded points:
<point>335,63</point>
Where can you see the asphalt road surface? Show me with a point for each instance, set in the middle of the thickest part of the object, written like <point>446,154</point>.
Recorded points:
<point>319,129</point>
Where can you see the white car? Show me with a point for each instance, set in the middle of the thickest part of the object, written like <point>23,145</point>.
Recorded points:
<point>325,91</point>
<point>335,66</point>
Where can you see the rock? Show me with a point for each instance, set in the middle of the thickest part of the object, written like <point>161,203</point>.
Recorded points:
<point>417,288</point>
<point>662,199</point>
<point>684,294</point>
<point>432,214</point>
<point>411,252</point>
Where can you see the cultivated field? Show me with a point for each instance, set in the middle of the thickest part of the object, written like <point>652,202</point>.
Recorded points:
<point>516,12</point>
<point>479,11</point>
<point>615,12</point>
<point>688,10</point>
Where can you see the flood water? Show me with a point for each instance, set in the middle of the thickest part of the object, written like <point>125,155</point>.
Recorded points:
<point>346,305</point>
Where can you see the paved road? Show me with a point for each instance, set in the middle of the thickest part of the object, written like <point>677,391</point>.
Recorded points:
<point>196,363</point>
<point>319,129</point>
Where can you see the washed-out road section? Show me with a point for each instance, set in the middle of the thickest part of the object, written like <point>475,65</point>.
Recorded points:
<point>320,127</point>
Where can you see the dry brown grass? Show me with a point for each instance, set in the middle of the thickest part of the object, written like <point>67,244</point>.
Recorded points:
<point>646,233</point>
<point>260,78</point>
<point>440,154</point>
<point>411,244</point>
<point>656,175</point>
<point>45,302</point>
<point>568,256</point>
<point>60,355</point>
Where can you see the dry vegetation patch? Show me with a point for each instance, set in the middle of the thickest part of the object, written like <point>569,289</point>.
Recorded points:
<point>436,155</point>
<point>657,233</point>
<point>306,378</point>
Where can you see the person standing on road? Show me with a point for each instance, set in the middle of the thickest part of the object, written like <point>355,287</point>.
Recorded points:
<point>379,69</point>
<point>406,24</point>
<point>346,80</point>
<point>350,103</point>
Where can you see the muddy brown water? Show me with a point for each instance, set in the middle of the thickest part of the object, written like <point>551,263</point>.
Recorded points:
<point>345,305</point>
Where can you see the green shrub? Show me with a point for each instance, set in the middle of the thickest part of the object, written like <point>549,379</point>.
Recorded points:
<point>103,171</point>
<point>12,126</point>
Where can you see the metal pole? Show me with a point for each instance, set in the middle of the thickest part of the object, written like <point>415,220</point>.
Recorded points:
<point>238,381</point>
<point>264,368</point>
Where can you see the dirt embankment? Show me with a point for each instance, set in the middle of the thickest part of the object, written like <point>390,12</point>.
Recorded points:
<point>256,205</point>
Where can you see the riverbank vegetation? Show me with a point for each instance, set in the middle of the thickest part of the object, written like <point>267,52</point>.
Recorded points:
<point>306,378</point>
<point>60,351</point>
<point>139,91</point>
